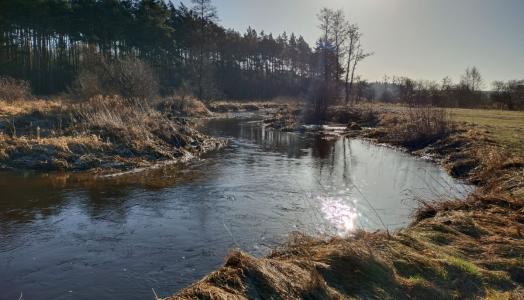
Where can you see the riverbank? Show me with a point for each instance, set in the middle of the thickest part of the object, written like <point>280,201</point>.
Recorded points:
<point>102,135</point>
<point>466,248</point>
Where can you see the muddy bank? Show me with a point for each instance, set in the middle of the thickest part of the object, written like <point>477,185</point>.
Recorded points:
<point>103,135</point>
<point>465,248</point>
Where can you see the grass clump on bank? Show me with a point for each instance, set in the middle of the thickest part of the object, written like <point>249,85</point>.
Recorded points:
<point>103,133</point>
<point>405,265</point>
<point>418,127</point>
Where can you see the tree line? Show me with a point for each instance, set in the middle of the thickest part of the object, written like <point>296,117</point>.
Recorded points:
<point>49,42</point>
<point>468,92</point>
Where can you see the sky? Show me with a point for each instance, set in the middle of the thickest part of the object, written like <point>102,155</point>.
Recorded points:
<point>421,39</point>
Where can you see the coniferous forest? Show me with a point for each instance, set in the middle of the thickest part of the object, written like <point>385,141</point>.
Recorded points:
<point>48,42</point>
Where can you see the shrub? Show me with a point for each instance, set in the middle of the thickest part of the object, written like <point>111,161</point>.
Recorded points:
<point>128,77</point>
<point>184,107</point>
<point>12,89</point>
<point>321,96</point>
<point>422,125</point>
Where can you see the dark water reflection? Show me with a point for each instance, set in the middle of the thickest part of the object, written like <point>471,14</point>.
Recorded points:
<point>70,236</point>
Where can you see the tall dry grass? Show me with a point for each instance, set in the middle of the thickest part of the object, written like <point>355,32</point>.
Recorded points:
<point>421,126</point>
<point>184,107</point>
<point>133,124</point>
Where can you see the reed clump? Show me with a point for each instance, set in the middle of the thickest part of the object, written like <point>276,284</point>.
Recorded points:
<point>103,133</point>
<point>420,126</point>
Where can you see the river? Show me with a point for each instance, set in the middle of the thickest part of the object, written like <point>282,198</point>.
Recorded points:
<point>68,236</point>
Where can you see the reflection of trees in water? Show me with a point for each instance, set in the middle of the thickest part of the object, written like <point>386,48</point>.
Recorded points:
<point>28,198</point>
<point>24,198</point>
<point>322,148</point>
<point>334,160</point>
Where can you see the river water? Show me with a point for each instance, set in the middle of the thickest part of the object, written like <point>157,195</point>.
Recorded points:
<point>66,236</point>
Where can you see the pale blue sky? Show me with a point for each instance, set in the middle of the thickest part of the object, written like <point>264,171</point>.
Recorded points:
<point>423,39</point>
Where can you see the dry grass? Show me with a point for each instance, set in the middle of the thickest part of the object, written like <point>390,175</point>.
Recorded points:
<point>506,128</point>
<point>184,107</point>
<point>9,109</point>
<point>418,127</point>
<point>132,123</point>
<point>102,132</point>
<point>473,251</point>
<point>363,115</point>
<point>66,143</point>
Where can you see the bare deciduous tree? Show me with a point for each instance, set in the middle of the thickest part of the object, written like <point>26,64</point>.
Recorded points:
<point>472,79</point>
<point>510,94</point>
<point>359,56</point>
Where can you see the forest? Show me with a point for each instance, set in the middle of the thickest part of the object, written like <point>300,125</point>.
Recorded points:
<point>56,47</point>
<point>49,42</point>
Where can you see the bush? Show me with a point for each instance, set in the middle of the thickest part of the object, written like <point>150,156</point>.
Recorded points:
<point>12,89</point>
<point>129,77</point>
<point>320,97</point>
<point>422,125</point>
<point>184,107</point>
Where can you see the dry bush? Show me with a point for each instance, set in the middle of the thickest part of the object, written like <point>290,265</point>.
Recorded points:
<point>421,126</point>
<point>12,89</point>
<point>320,97</point>
<point>87,85</point>
<point>184,107</point>
<point>364,115</point>
<point>128,77</point>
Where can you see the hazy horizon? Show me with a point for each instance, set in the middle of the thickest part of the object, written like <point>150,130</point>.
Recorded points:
<point>421,39</point>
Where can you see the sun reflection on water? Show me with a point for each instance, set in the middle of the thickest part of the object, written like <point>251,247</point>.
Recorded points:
<point>341,214</point>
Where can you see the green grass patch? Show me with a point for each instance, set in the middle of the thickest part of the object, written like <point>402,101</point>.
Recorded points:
<point>503,126</point>
<point>417,280</point>
<point>465,265</point>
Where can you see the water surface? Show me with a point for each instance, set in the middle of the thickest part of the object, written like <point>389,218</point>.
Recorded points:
<point>69,236</point>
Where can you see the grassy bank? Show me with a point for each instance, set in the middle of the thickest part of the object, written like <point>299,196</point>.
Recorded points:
<point>469,248</point>
<point>506,128</point>
<point>103,134</point>
<point>472,249</point>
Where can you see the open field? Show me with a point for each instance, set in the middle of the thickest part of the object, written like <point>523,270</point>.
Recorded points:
<point>504,127</point>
